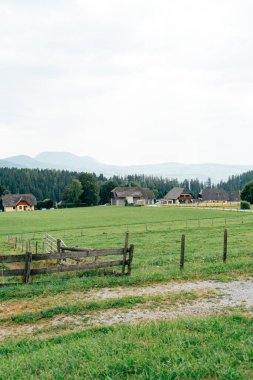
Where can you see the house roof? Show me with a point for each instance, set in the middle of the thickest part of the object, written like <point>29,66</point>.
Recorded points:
<point>11,200</point>
<point>210,194</point>
<point>220,195</point>
<point>176,192</point>
<point>135,192</point>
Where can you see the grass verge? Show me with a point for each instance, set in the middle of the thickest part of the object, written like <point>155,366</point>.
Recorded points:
<point>206,348</point>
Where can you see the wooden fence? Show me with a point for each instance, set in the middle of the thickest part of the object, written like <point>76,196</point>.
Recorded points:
<point>182,251</point>
<point>64,261</point>
<point>48,244</point>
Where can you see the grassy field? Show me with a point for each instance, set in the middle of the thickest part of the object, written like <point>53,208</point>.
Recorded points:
<point>210,347</point>
<point>155,232</point>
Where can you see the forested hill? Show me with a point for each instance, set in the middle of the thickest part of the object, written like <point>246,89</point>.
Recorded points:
<point>42,183</point>
<point>46,183</point>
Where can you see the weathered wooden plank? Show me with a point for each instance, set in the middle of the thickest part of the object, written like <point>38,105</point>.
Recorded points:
<point>106,251</point>
<point>68,268</point>
<point>125,253</point>
<point>10,284</point>
<point>225,245</point>
<point>131,255</point>
<point>72,255</point>
<point>28,262</point>
<point>182,252</point>
<point>63,255</point>
<point>12,258</point>
<point>11,272</point>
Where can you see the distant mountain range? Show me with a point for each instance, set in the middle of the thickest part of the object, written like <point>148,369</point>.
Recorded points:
<point>72,162</point>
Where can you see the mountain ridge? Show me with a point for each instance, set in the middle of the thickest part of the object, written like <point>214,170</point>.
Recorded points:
<point>72,162</point>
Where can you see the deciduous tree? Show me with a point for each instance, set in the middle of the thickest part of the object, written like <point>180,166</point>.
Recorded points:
<point>89,195</point>
<point>73,192</point>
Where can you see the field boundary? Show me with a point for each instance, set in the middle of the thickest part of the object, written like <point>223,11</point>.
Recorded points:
<point>64,253</point>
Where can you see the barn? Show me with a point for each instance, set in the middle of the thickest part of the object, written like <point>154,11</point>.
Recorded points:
<point>120,196</point>
<point>219,195</point>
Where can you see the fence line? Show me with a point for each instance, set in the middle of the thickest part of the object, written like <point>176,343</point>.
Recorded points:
<point>192,222</point>
<point>63,253</point>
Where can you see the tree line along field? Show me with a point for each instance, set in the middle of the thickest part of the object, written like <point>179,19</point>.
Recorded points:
<point>208,347</point>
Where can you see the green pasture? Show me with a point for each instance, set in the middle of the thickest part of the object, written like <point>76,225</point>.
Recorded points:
<point>156,234</point>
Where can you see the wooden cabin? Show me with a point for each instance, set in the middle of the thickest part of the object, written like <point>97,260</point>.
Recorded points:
<point>178,195</point>
<point>120,196</point>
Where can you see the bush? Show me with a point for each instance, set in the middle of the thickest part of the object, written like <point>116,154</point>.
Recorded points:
<point>247,192</point>
<point>245,205</point>
<point>47,203</point>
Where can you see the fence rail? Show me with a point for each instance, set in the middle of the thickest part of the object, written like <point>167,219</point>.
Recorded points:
<point>76,254</point>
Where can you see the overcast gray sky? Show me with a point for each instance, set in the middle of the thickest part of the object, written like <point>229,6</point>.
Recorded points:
<point>128,81</point>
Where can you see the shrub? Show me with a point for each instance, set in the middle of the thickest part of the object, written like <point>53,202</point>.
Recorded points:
<point>247,192</point>
<point>245,205</point>
<point>47,203</point>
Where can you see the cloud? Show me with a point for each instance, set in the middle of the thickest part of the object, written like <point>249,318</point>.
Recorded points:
<point>165,80</point>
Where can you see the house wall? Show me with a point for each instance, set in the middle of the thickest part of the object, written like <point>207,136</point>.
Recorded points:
<point>131,200</point>
<point>22,206</point>
<point>118,202</point>
<point>9,209</point>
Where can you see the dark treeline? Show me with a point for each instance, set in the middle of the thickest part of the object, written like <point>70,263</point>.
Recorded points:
<point>51,184</point>
<point>42,183</point>
<point>236,182</point>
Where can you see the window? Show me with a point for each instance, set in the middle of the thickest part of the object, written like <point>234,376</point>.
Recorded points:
<point>20,207</point>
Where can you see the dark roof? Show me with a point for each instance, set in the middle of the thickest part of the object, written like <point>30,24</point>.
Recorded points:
<point>176,192</point>
<point>234,196</point>
<point>135,192</point>
<point>11,200</point>
<point>209,194</point>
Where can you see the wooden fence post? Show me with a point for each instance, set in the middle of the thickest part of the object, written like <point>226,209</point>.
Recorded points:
<point>225,245</point>
<point>125,252</point>
<point>27,270</point>
<point>58,246</point>
<point>182,252</point>
<point>130,259</point>
<point>36,247</point>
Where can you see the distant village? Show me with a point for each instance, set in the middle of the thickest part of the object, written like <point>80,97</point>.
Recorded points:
<point>137,196</point>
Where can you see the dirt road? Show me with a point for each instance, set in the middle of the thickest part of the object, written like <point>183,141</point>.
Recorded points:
<point>226,295</point>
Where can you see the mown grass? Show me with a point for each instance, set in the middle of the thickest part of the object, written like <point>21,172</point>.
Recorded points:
<point>206,348</point>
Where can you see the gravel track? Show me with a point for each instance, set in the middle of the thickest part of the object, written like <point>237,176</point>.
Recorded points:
<point>228,295</point>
